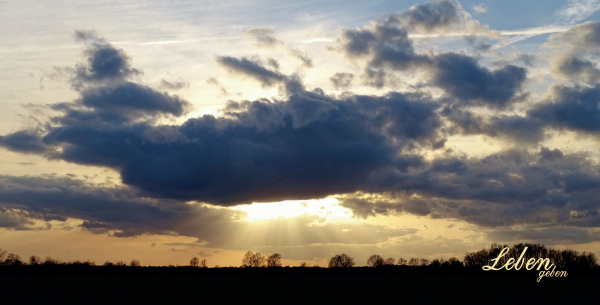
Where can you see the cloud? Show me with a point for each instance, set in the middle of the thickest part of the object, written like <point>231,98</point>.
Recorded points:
<point>342,80</point>
<point>463,78</point>
<point>263,36</point>
<point>525,130</point>
<point>573,108</point>
<point>307,146</point>
<point>480,8</point>
<point>431,16</point>
<point>24,141</point>
<point>120,212</point>
<point>105,62</point>
<point>509,188</point>
<point>205,254</point>
<point>386,48</point>
<point>174,85</point>
<point>546,236</point>
<point>216,82</point>
<point>251,68</point>
<point>571,68</point>
<point>303,57</point>
<point>104,209</point>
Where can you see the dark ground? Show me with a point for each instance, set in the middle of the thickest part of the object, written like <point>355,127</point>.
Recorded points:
<point>88,284</point>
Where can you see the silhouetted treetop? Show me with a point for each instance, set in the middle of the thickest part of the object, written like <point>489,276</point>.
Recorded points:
<point>341,261</point>
<point>375,261</point>
<point>253,259</point>
<point>274,260</point>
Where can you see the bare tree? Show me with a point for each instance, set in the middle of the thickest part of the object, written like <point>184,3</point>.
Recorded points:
<point>389,262</point>
<point>253,259</point>
<point>120,264</point>
<point>341,261</point>
<point>413,261</point>
<point>203,264</point>
<point>274,260</point>
<point>134,263</point>
<point>194,262</point>
<point>375,261</point>
<point>2,256</point>
<point>89,263</point>
<point>401,262</point>
<point>51,261</point>
<point>13,260</point>
<point>303,264</point>
<point>424,262</point>
<point>34,260</point>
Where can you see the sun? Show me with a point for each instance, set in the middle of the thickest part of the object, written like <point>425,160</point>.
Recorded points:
<point>327,208</point>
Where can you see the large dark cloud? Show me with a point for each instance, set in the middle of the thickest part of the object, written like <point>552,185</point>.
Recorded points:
<point>523,129</point>
<point>120,212</point>
<point>510,188</point>
<point>308,146</point>
<point>464,79</point>
<point>385,47</point>
<point>572,108</point>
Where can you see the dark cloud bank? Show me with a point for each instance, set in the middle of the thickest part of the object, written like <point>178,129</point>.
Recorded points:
<point>308,144</point>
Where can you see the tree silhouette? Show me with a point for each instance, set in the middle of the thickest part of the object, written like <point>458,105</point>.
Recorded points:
<point>134,263</point>
<point>203,264</point>
<point>303,264</point>
<point>13,260</point>
<point>253,259</point>
<point>375,261</point>
<point>50,261</point>
<point>401,262</point>
<point>34,260</point>
<point>413,261</point>
<point>274,260</point>
<point>194,262</point>
<point>389,261</point>
<point>2,256</point>
<point>341,261</point>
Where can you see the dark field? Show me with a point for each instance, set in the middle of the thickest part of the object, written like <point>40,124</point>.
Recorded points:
<point>293,284</point>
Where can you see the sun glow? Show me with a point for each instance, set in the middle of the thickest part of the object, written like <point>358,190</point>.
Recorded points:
<point>327,208</point>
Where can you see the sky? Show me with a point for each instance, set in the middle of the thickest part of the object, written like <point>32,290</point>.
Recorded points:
<point>165,130</point>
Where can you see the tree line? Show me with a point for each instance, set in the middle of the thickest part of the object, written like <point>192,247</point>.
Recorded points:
<point>12,259</point>
<point>563,259</point>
